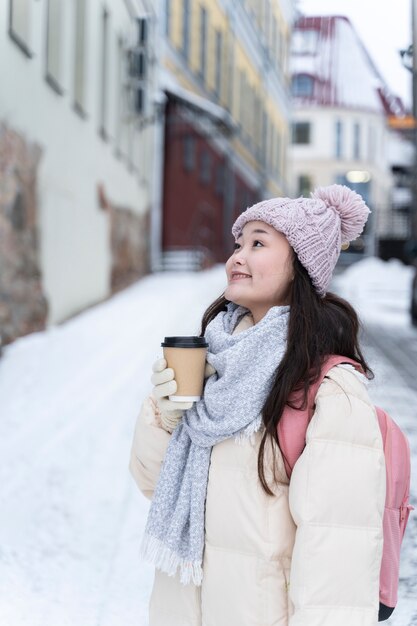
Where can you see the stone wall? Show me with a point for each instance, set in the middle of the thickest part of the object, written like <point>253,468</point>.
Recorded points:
<point>129,241</point>
<point>23,305</point>
<point>129,245</point>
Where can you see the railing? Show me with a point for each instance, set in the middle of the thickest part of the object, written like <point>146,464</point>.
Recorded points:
<point>180,258</point>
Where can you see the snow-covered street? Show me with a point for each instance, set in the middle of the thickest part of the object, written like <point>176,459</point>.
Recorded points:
<point>72,516</point>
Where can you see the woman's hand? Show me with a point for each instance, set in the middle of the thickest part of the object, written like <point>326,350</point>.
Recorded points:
<point>169,411</point>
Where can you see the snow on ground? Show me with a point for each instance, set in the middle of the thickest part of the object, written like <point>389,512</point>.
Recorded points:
<point>72,517</point>
<point>379,290</point>
<point>69,400</point>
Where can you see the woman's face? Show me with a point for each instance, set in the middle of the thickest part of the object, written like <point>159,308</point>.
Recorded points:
<point>266,259</point>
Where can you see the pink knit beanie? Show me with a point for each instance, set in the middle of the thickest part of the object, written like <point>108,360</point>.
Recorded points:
<point>315,227</point>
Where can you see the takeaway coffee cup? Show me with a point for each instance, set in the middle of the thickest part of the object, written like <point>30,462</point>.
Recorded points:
<point>187,357</point>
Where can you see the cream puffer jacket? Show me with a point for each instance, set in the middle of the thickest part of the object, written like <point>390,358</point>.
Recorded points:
<point>308,556</point>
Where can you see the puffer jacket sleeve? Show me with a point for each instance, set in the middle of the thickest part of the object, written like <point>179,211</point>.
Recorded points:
<point>149,445</point>
<point>337,497</point>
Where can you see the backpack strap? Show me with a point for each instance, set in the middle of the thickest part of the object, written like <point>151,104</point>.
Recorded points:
<point>293,424</point>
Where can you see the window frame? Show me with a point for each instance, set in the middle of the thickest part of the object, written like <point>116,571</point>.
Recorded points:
<point>53,75</point>
<point>104,82</point>
<point>304,188</point>
<point>80,65</point>
<point>296,83</point>
<point>17,37</point>
<point>357,141</point>
<point>338,147</point>
<point>202,70</point>
<point>296,128</point>
<point>189,152</point>
<point>206,167</point>
<point>185,44</point>
<point>219,63</point>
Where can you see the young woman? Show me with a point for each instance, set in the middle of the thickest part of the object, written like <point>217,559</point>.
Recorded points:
<point>235,542</point>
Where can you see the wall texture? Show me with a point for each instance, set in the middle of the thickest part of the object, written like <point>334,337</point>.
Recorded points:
<point>23,305</point>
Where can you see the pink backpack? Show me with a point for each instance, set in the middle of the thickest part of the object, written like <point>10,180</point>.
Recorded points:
<point>291,432</point>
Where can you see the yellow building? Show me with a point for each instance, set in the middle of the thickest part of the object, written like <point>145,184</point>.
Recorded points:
<point>235,53</point>
<point>223,69</point>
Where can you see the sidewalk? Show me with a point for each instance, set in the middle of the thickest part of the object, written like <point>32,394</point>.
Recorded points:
<point>69,398</point>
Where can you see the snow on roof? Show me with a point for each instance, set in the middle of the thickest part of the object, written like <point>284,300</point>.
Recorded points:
<point>329,49</point>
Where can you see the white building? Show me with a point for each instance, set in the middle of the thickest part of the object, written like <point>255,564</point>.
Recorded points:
<point>341,105</point>
<point>77,81</point>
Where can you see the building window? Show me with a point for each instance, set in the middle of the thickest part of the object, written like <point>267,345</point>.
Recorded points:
<point>267,24</point>
<point>301,133</point>
<point>139,101</point>
<point>283,43</point>
<point>246,198</point>
<point>168,18</point>
<point>219,69</point>
<point>338,139</point>
<point>371,143</point>
<point>203,43</point>
<point>104,53</point>
<point>264,137</point>
<point>137,64</point>
<point>205,167</point>
<point>304,41</point>
<point>304,185</point>
<point>302,86</point>
<point>79,64</point>
<point>219,180</point>
<point>241,115</point>
<point>53,44</point>
<point>251,117</point>
<point>278,143</point>
<point>189,153</point>
<point>269,143</point>
<point>121,95</point>
<point>356,141</point>
<point>19,24</point>
<point>186,28</point>
<point>138,67</point>
<point>275,42</point>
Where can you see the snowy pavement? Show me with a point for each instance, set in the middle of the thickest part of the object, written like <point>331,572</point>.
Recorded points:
<point>72,517</point>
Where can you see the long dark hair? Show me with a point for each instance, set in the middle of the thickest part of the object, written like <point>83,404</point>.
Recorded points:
<point>317,328</point>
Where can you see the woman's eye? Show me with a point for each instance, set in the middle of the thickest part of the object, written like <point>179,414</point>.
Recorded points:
<point>255,241</point>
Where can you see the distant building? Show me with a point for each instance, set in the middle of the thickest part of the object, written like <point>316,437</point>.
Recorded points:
<point>75,155</point>
<point>224,76</point>
<point>340,131</point>
<point>396,225</point>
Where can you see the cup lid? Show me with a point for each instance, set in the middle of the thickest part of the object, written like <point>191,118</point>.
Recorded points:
<point>185,342</point>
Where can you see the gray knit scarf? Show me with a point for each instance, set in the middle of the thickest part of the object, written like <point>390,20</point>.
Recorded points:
<point>231,406</point>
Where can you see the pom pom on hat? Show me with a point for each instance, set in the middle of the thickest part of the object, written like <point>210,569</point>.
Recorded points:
<point>350,206</point>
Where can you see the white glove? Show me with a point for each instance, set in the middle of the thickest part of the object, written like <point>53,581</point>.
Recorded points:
<point>169,411</point>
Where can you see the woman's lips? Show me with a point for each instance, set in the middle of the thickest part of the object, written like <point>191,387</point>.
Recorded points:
<point>239,277</point>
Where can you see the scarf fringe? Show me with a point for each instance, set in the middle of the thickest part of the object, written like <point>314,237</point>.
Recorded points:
<point>163,558</point>
<point>249,432</point>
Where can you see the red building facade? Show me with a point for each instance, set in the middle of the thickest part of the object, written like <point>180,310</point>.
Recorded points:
<point>202,192</point>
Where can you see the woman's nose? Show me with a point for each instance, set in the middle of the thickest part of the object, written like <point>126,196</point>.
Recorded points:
<point>240,257</point>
